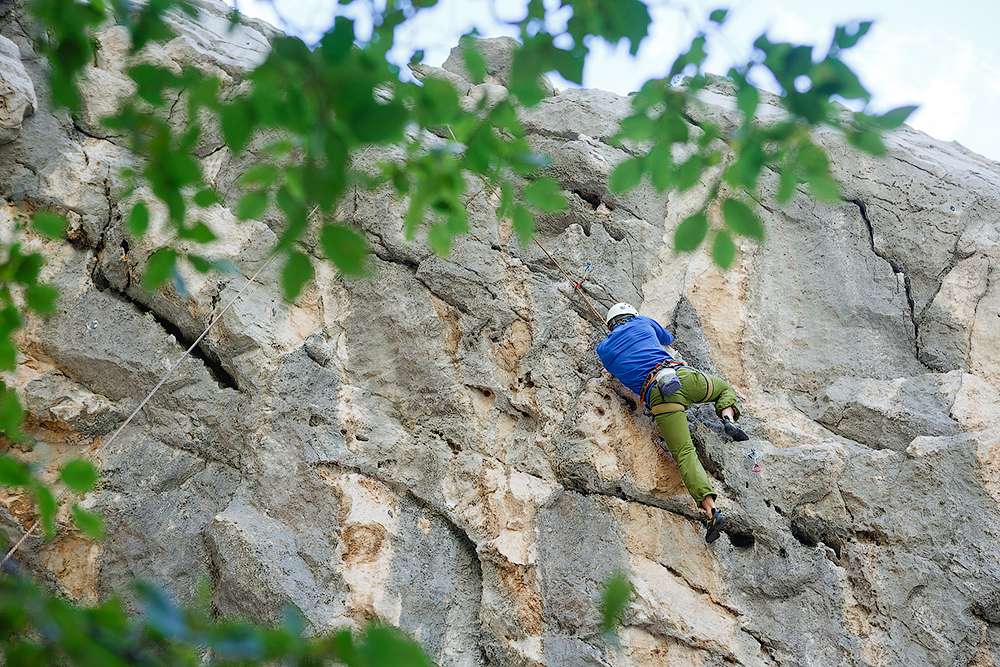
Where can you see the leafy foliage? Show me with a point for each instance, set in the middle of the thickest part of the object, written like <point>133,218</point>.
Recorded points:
<point>809,93</point>
<point>617,591</point>
<point>328,106</point>
<point>38,629</point>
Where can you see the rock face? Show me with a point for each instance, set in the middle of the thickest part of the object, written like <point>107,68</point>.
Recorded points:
<point>17,93</point>
<point>439,448</point>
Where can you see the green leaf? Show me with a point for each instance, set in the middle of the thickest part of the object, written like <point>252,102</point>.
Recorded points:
<point>41,298</point>
<point>8,357</point>
<point>869,141</point>
<point>345,248</point>
<point>825,188</point>
<point>46,507</point>
<point>161,266</point>
<point>474,61</point>
<point>744,172</point>
<point>813,160</point>
<point>673,129</point>
<point>263,175</point>
<point>438,102</point>
<point>28,267</point>
<point>639,127</point>
<point>626,175</point>
<point>742,220</point>
<point>237,124</point>
<point>11,413</point>
<point>336,44</point>
<point>25,654</point>
<point>90,523</point>
<point>79,475</point>
<point>13,473</point>
<point>788,183</point>
<point>388,646</point>
<point>615,596</point>
<point>747,99</point>
<point>297,272</point>
<point>138,219</point>
<point>695,55</point>
<point>506,200</point>
<point>50,224</point>
<point>660,164</point>
<point>206,198</point>
<point>150,81</point>
<point>718,16</point>
<point>439,236</point>
<point>165,619</point>
<point>545,195</point>
<point>377,123</point>
<point>691,232</point>
<point>711,132</point>
<point>890,120</point>
<point>252,205</point>
<point>723,250</point>
<point>200,233</point>
<point>200,264</point>
<point>524,224</point>
<point>689,173</point>
<point>844,38</point>
<point>612,20</point>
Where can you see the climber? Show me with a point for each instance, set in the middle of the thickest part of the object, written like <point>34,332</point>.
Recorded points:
<point>634,353</point>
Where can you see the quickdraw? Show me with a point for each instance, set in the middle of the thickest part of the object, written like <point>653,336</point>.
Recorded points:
<point>752,455</point>
<point>586,272</point>
<point>576,286</point>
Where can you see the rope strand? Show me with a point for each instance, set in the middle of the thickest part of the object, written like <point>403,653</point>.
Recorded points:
<point>576,286</point>
<point>141,405</point>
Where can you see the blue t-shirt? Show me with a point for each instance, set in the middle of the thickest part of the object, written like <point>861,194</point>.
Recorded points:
<point>633,349</point>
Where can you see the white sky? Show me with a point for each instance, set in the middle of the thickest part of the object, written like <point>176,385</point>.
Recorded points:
<point>942,56</point>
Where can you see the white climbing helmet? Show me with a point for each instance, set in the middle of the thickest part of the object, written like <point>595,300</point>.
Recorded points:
<point>621,309</point>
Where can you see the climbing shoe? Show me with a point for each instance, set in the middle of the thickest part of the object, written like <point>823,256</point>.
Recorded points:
<point>734,431</point>
<point>714,525</point>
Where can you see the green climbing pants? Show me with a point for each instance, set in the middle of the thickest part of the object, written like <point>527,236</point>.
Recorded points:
<point>670,415</point>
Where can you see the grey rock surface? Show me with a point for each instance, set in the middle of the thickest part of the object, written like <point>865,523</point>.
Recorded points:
<point>438,447</point>
<point>17,93</point>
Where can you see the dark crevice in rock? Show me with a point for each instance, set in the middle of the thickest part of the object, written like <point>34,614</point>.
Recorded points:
<point>96,274</point>
<point>876,537</point>
<point>574,484</point>
<point>387,255</point>
<point>613,231</point>
<point>214,367</point>
<point>631,253</point>
<point>211,152</point>
<point>811,530</point>
<point>78,129</point>
<point>897,270</point>
<point>568,135</point>
<point>741,539</point>
<point>594,200</point>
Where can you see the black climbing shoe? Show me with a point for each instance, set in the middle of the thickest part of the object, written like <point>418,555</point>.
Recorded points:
<point>734,431</point>
<point>714,525</point>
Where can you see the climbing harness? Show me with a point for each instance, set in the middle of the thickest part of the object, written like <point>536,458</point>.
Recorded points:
<point>651,377</point>
<point>104,446</point>
<point>576,286</point>
<point>752,455</point>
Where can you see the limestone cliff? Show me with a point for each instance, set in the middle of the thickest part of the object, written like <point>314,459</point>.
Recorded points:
<point>439,447</point>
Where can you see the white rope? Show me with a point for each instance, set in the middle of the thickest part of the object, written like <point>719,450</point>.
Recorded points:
<point>165,377</point>
<point>141,405</point>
